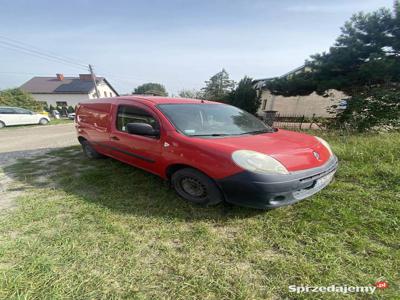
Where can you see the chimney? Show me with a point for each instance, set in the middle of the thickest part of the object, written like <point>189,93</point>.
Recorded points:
<point>60,77</point>
<point>85,77</point>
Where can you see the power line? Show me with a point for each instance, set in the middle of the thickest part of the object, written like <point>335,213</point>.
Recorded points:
<point>27,47</point>
<point>39,56</point>
<point>12,44</point>
<point>28,73</point>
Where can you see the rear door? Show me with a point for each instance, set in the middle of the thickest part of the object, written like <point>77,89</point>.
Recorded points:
<point>93,123</point>
<point>141,151</point>
<point>25,116</point>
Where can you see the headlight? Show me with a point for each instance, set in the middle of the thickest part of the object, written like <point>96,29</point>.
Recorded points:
<point>325,143</point>
<point>257,162</point>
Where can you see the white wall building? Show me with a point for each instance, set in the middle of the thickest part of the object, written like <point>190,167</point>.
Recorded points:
<point>67,91</point>
<point>308,106</point>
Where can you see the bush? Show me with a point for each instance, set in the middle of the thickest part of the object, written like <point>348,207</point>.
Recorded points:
<point>19,98</point>
<point>373,107</point>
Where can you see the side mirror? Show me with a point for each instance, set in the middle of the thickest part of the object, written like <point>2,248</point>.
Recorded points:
<point>142,129</point>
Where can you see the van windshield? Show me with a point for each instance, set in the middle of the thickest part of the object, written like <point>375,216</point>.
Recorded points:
<point>212,120</point>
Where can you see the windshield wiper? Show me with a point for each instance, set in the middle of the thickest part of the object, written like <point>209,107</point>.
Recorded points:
<point>211,134</point>
<point>258,131</point>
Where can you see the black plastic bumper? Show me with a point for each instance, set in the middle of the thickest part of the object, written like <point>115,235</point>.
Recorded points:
<point>271,191</point>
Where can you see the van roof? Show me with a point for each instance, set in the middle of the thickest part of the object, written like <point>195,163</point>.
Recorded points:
<point>152,99</point>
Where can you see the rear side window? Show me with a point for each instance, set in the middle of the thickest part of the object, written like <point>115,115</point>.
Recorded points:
<point>6,110</point>
<point>22,111</point>
<point>131,114</point>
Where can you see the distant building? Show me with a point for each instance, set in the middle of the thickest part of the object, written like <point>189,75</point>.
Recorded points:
<point>67,91</point>
<point>309,105</point>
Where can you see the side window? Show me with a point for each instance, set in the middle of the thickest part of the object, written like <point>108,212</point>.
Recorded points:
<point>22,111</point>
<point>131,114</point>
<point>3,111</point>
<point>7,110</point>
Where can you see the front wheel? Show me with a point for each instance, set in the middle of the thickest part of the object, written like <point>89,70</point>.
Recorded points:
<point>43,121</point>
<point>89,151</point>
<point>196,187</point>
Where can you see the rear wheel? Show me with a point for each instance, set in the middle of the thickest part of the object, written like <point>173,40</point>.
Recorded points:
<point>43,121</point>
<point>89,151</point>
<point>196,187</point>
<point>2,125</point>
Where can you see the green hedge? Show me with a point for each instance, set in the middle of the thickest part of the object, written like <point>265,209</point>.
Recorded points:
<point>19,98</point>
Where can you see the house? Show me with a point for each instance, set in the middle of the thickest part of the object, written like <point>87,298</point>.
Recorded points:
<point>67,91</point>
<point>312,104</point>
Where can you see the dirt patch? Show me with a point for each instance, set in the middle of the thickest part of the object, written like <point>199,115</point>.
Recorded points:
<point>8,192</point>
<point>10,188</point>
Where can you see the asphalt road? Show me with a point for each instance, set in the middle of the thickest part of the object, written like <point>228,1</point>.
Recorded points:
<point>28,141</point>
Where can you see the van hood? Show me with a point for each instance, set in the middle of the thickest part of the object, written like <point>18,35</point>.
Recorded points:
<point>296,151</point>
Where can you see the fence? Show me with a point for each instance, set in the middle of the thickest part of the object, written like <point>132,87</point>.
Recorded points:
<point>292,121</point>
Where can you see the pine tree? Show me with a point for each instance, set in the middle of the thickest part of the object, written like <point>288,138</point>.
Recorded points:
<point>363,62</point>
<point>218,87</point>
<point>245,96</point>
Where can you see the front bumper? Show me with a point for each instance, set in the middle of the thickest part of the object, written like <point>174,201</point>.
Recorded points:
<point>271,191</point>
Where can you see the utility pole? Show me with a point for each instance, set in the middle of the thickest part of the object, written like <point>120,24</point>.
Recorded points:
<point>94,80</point>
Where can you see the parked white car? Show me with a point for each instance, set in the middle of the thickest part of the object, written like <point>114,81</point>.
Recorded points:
<point>19,116</point>
<point>71,116</point>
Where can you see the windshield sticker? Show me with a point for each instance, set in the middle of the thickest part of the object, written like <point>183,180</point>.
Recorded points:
<point>190,131</point>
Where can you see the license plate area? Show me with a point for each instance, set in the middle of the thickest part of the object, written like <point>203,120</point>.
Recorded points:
<point>318,185</point>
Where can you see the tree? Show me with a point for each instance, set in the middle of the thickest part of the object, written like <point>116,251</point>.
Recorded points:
<point>363,63</point>
<point>245,96</point>
<point>218,87</point>
<point>375,106</point>
<point>151,88</point>
<point>193,94</point>
<point>70,109</point>
<point>19,98</point>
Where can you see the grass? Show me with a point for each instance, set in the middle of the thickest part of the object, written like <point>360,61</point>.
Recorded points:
<point>104,230</point>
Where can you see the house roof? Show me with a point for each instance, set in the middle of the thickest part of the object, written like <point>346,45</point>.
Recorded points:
<point>260,83</point>
<point>294,71</point>
<point>69,85</point>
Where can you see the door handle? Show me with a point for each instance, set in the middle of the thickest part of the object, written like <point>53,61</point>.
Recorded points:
<point>115,138</point>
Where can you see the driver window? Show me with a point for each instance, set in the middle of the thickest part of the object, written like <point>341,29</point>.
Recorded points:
<point>131,114</point>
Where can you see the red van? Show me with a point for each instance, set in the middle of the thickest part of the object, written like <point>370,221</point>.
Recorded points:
<point>210,152</point>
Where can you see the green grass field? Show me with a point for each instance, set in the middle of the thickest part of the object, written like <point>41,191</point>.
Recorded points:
<point>104,230</point>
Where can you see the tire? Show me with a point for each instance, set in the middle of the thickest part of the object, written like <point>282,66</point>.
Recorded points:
<point>43,121</point>
<point>89,151</point>
<point>196,187</point>
<point>2,125</point>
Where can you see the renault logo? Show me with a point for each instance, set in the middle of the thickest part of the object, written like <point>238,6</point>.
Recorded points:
<point>316,155</point>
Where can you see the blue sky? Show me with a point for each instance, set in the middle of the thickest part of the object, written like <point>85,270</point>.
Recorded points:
<point>177,43</point>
